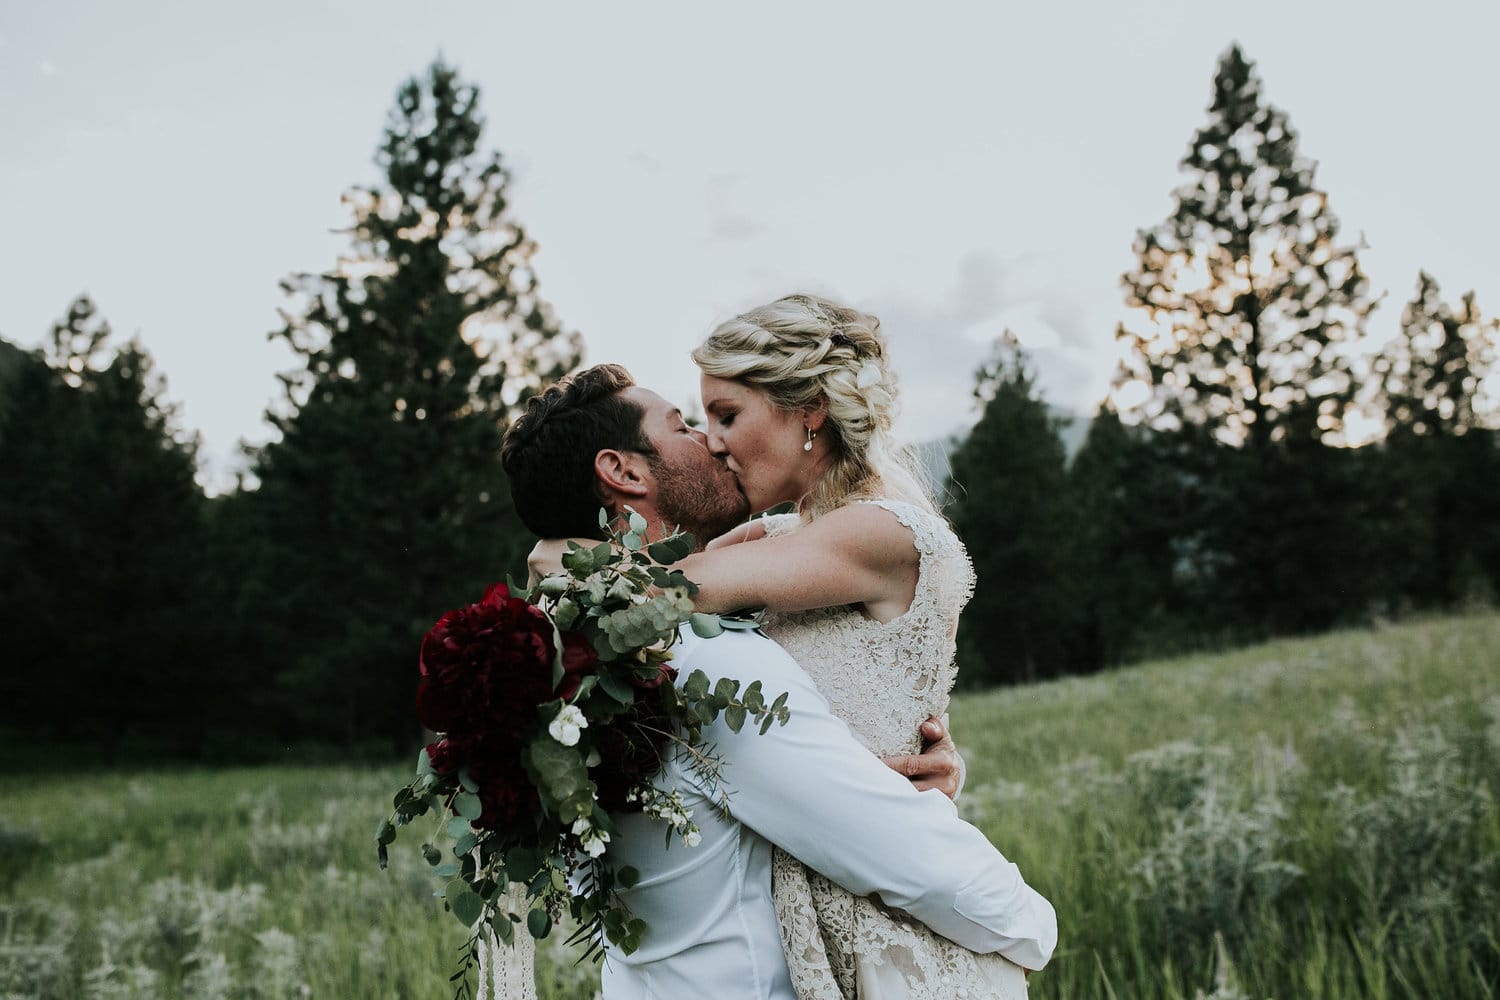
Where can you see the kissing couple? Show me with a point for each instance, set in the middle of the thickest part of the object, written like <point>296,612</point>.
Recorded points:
<point>841,869</point>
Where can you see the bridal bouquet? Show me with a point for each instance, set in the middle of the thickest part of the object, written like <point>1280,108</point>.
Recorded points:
<point>555,706</point>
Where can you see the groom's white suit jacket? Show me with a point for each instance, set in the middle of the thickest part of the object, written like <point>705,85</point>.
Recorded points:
<point>812,789</point>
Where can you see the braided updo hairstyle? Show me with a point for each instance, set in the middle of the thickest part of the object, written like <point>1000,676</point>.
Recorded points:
<point>802,349</point>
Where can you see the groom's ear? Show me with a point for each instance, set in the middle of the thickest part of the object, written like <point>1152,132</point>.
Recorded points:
<point>622,473</point>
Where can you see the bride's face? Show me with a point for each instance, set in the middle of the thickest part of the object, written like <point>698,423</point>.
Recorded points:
<point>762,445</point>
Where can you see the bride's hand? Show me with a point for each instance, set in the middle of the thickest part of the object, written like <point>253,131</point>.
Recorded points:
<point>546,555</point>
<point>747,532</point>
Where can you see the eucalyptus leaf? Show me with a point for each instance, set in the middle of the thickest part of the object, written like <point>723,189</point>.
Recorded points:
<point>467,805</point>
<point>734,717</point>
<point>580,562</point>
<point>385,833</point>
<point>458,826</point>
<point>705,626</point>
<point>539,923</point>
<point>638,523</point>
<point>563,781</point>
<point>424,764</point>
<point>696,685</point>
<point>524,861</point>
<point>465,905</point>
<point>603,519</point>
<point>616,688</point>
<point>463,845</point>
<point>431,854</point>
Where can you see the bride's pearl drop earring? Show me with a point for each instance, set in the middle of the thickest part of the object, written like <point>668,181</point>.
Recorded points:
<point>810,435</point>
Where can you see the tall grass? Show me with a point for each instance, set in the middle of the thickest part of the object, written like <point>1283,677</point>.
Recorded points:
<point>1300,819</point>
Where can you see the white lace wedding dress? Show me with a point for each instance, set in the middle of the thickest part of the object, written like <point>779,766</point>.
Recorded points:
<point>884,680</point>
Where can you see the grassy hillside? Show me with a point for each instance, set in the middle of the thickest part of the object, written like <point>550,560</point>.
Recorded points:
<point>1301,819</point>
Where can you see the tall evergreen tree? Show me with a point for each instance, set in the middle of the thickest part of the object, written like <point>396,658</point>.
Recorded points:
<point>99,532</point>
<point>1248,299</point>
<point>1130,496</point>
<point>383,502</point>
<point>1249,305</point>
<point>1010,505</point>
<point>1441,465</point>
<point>1431,374</point>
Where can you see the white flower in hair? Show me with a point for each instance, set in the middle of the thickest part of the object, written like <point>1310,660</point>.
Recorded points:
<point>869,374</point>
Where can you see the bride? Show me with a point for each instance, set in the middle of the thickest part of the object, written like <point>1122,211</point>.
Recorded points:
<point>862,584</point>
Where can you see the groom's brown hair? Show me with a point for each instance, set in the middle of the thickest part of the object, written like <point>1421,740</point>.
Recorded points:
<point>549,450</point>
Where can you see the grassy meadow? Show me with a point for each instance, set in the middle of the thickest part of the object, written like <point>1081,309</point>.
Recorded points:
<point>1311,818</point>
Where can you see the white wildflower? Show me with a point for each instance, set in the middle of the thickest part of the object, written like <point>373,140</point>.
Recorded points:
<point>568,724</point>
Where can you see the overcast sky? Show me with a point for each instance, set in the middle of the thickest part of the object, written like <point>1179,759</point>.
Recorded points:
<point>954,168</point>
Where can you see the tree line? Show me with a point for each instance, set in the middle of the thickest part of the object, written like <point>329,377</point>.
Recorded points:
<point>1226,503</point>
<point>145,618</point>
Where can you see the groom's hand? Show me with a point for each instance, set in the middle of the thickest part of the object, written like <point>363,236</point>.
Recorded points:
<point>937,766</point>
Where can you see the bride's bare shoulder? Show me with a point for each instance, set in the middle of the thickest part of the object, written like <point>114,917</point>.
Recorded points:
<point>868,527</point>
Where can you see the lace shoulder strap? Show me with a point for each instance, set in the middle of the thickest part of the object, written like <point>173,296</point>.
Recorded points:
<point>780,524</point>
<point>947,575</point>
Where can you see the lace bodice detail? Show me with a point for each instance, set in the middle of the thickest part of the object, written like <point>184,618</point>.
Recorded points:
<point>885,678</point>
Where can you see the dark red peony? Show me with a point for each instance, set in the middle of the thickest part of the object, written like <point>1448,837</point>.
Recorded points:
<point>579,659</point>
<point>484,670</point>
<point>486,667</point>
<point>665,674</point>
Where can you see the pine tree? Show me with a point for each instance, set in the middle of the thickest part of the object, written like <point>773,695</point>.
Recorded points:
<point>1249,306</point>
<point>1431,374</point>
<point>1130,498</point>
<point>383,503</point>
<point>1011,508</point>
<point>100,523</point>
<point>1249,302</point>
<point>1441,466</point>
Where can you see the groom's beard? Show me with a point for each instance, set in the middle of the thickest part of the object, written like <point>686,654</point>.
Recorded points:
<point>705,504</point>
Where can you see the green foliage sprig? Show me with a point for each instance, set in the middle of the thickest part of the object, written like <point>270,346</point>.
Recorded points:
<point>617,716</point>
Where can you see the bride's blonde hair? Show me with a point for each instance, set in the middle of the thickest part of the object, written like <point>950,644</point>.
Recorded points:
<point>802,349</point>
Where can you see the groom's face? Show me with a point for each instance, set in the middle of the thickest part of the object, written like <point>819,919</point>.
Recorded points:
<point>693,488</point>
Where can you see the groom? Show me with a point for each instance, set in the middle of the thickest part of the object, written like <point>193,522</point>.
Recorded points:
<point>597,439</point>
